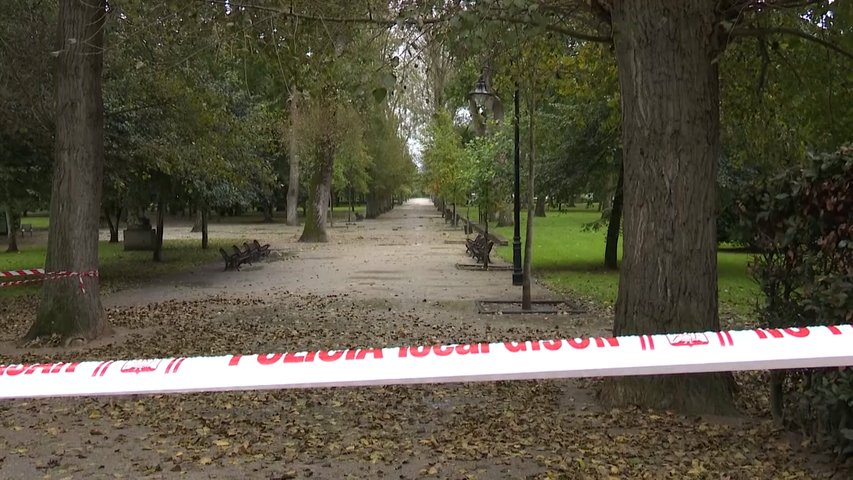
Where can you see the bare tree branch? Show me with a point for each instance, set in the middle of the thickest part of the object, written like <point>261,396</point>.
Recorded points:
<point>764,31</point>
<point>390,22</point>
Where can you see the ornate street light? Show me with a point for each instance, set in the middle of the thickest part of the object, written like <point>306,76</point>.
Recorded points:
<point>481,96</point>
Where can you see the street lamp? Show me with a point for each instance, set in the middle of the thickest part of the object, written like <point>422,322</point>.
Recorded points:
<point>517,273</point>
<point>481,96</point>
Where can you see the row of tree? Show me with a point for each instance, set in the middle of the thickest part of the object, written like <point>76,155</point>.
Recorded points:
<point>199,106</point>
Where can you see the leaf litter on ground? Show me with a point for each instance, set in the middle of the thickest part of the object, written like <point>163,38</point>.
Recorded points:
<point>522,429</point>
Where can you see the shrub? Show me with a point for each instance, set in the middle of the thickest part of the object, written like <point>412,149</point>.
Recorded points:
<point>800,224</point>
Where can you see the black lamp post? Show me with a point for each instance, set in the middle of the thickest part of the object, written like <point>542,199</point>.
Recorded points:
<point>481,96</point>
<point>517,273</point>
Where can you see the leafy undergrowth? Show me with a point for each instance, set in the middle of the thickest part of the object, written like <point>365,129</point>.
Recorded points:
<point>529,429</point>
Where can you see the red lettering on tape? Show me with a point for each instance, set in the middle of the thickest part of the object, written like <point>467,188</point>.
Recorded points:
<point>288,358</point>
<point>330,355</point>
<point>440,350</point>
<point>836,329</point>
<point>420,352</point>
<point>13,370</point>
<point>44,368</point>
<point>515,347</point>
<point>798,332</point>
<point>612,341</point>
<point>765,333</point>
<point>269,359</point>
<point>552,345</point>
<point>376,352</point>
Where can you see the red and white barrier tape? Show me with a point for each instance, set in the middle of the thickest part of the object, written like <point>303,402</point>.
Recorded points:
<point>564,358</point>
<point>22,273</point>
<point>45,276</point>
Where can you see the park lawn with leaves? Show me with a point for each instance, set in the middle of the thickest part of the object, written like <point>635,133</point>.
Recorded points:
<point>568,258</point>
<point>120,269</point>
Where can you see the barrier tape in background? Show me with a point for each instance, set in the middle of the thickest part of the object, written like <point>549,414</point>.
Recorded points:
<point>22,273</point>
<point>564,358</point>
<point>42,276</point>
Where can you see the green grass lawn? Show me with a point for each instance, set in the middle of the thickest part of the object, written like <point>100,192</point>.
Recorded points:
<point>120,269</point>
<point>570,259</point>
<point>37,220</point>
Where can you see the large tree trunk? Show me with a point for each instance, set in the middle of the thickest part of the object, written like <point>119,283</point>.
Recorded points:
<point>611,253</point>
<point>205,238</point>
<point>669,84</point>
<point>351,212</point>
<point>373,208</point>
<point>158,242</point>
<point>505,215</point>
<point>114,226</point>
<point>318,198</point>
<point>198,220</point>
<point>67,309</point>
<point>293,183</point>
<point>540,206</point>
<point>12,226</point>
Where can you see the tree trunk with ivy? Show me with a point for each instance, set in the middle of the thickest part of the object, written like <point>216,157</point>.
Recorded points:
<point>614,224</point>
<point>666,56</point>
<point>66,309</point>
<point>205,239</point>
<point>540,206</point>
<point>12,225</point>
<point>158,241</point>
<point>293,159</point>
<point>320,192</point>
<point>113,226</point>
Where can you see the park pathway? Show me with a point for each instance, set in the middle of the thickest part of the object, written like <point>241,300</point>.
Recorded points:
<point>408,255</point>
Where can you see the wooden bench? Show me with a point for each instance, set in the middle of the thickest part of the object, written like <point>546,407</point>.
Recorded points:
<point>26,228</point>
<point>233,261</point>
<point>247,255</point>
<point>262,250</point>
<point>480,248</point>
<point>470,244</point>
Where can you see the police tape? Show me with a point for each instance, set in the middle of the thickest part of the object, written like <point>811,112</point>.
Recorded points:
<point>761,349</point>
<point>22,273</point>
<point>42,276</point>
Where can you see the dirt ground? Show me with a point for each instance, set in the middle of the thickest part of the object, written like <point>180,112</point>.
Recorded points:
<point>378,283</point>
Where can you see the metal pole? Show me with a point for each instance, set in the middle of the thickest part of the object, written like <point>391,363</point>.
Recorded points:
<point>517,274</point>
